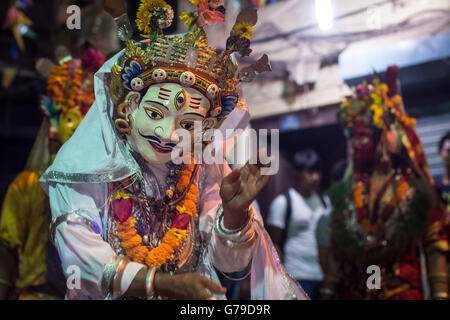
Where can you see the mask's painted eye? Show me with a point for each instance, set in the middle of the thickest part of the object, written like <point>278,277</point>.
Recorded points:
<point>187,124</point>
<point>153,113</point>
<point>180,99</point>
<point>68,119</point>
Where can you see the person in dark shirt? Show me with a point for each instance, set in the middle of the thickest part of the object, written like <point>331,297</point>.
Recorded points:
<point>443,182</point>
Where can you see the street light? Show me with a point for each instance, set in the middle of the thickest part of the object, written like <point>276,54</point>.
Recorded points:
<point>324,14</point>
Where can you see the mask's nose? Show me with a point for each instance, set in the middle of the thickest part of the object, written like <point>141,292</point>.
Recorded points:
<point>165,130</point>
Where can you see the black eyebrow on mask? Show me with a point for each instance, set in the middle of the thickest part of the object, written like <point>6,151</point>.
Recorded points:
<point>194,114</point>
<point>158,103</point>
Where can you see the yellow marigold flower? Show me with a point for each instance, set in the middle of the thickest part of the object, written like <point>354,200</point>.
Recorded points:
<point>121,195</point>
<point>187,18</point>
<point>145,11</point>
<point>377,112</point>
<point>197,2</point>
<point>180,234</point>
<point>181,209</point>
<point>243,29</point>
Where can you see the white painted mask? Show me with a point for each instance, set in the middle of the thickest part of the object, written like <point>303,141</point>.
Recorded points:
<point>164,108</point>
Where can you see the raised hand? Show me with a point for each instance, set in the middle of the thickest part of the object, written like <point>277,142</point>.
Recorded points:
<point>238,190</point>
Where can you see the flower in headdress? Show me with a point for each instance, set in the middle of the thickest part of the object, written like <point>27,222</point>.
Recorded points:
<point>197,2</point>
<point>153,14</point>
<point>243,29</point>
<point>163,17</point>
<point>188,18</point>
<point>239,44</point>
<point>208,17</point>
<point>377,116</point>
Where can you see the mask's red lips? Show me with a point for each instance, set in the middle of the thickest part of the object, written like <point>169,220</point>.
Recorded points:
<point>160,148</point>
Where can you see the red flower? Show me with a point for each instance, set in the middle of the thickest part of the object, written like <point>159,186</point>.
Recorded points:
<point>122,209</point>
<point>181,221</point>
<point>208,17</point>
<point>92,60</point>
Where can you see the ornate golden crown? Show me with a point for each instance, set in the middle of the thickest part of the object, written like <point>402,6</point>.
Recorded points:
<point>185,59</point>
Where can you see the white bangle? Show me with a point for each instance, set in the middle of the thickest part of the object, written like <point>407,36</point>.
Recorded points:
<point>235,238</point>
<point>149,283</point>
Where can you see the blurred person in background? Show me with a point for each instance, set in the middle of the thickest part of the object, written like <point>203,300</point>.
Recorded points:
<point>293,219</point>
<point>30,268</point>
<point>387,235</point>
<point>443,182</point>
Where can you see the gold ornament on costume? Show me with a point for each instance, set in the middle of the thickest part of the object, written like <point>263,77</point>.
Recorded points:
<point>168,58</point>
<point>185,59</point>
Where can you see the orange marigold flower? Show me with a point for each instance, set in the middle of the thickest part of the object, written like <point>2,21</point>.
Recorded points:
<point>191,196</point>
<point>401,190</point>
<point>357,194</point>
<point>190,206</point>
<point>180,234</point>
<point>127,234</point>
<point>182,183</point>
<point>193,188</point>
<point>140,253</point>
<point>134,241</point>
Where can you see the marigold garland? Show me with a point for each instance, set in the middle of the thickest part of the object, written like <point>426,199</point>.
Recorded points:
<point>359,197</point>
<point>132,242</point>
<point>63,87</point>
